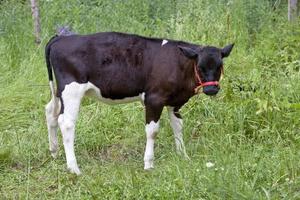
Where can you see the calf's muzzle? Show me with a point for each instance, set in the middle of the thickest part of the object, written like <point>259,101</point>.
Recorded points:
<point>211,89</point>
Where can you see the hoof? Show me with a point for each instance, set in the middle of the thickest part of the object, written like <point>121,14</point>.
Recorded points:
<point>74,170</point>
<point>183,154</point>
<point>186,157</point>
<point>148,166</point>
<point>54,154</point>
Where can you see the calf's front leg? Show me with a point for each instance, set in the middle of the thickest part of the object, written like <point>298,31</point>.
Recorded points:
<point>153,112</point>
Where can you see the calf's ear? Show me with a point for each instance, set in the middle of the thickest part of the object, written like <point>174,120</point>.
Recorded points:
<point>188,52</point>
<point>226,50</point>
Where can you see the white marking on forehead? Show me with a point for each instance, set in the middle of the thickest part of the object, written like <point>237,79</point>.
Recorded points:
<point>164,42</point>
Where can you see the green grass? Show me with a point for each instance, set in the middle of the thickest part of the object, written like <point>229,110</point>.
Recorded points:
<point>250,131</point>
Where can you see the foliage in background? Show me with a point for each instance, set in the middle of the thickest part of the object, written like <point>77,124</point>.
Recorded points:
<point>250,131</point>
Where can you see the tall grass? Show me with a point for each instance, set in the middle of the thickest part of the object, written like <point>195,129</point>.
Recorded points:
<point>250,131</point>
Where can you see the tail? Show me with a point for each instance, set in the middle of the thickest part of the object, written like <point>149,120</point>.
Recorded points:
<point>48,63</point>
<point>61,31</point>
<point>64,30</point>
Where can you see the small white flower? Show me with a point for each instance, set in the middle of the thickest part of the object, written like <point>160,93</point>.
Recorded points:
<point>209,164</point>
<point>222,168</point>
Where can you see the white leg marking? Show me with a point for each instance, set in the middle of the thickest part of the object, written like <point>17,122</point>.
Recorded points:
<point>71,96</point>
<point>52,110</point>
<point>151,132</point>
<point>176,124</point>
<point>164,42</point>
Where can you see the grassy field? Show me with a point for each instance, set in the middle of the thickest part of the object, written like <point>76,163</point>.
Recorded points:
<point>250,131</point>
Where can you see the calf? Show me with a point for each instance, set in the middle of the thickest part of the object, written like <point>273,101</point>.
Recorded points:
<point>117,68</point>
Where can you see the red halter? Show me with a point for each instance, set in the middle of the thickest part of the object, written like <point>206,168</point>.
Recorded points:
<point>202,84</point>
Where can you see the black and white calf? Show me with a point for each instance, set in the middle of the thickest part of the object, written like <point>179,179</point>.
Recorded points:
<point>118,68</point>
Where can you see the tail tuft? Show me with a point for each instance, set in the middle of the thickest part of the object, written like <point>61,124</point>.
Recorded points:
<point>64,31</point>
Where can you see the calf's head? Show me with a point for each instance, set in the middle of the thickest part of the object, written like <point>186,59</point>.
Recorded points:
<point>208,65</point>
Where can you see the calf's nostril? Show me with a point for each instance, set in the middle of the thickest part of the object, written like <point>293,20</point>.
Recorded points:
<point>211,90</point>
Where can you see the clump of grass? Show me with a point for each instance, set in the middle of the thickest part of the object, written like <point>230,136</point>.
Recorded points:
<point>5,158</point>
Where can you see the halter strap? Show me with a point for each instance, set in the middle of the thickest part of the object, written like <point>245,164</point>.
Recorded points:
<point>201,84</point>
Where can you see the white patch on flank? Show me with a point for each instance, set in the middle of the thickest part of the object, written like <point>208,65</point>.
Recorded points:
<point>151,132</point>
<point>71,96</point>
<point>176,124</point>
<point>164,42</point>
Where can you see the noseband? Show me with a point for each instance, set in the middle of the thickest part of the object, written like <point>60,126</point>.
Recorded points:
<point>201,84</point>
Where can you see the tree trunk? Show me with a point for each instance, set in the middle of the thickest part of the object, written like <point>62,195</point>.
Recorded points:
<point>292,10</point>
<point>36,21</point>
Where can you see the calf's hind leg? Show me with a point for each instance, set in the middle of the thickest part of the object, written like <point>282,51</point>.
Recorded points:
<point>71,98</point>
<point>52,110</point>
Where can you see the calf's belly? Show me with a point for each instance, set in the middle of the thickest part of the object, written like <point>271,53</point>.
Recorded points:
<point>92,90</point>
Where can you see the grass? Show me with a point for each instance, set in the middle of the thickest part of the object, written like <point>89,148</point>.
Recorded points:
<point>250,131</point>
